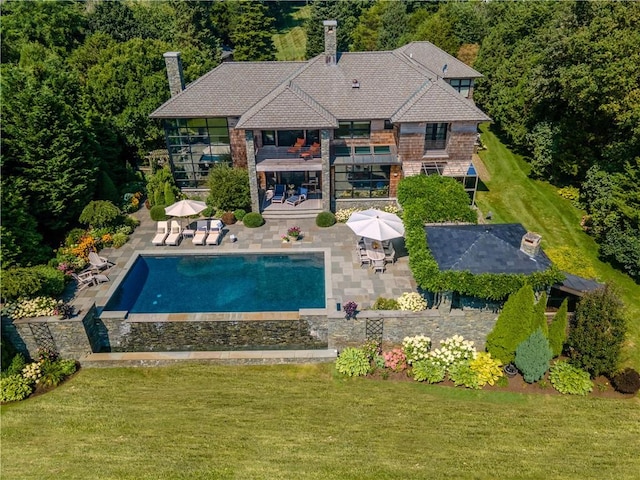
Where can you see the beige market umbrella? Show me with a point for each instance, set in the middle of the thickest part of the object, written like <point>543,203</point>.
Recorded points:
<point>376,224</point>
<point>185,208</point>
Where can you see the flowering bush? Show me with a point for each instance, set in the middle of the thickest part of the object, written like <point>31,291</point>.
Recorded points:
<point>395,360</point>
<point>66,268</point>
<point>294,232</point>
<point>87,244</point>
<point>372,349</point>
<point>343,214</point>
<point>29,308</point>
<point>416,348</point>
<point>350,310</point>
<point>453,350</point>
<point>412,301</point>
<point>47,354</point>
<point>391,209</point>
<point>32,372</point>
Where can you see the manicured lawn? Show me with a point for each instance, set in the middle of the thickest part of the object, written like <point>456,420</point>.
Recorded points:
<point>295,422</point>
<point>291,43</point>
<point>513,197</point>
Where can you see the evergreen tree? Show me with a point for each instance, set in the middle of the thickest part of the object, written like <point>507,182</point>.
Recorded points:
<point>393,23</point>
<point>533,356</point>
<point>539,318</point>
<point>252,37</point>
<point>558,329</point>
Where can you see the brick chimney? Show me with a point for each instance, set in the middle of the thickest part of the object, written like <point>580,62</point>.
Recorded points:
<point>530,243</point>
<point>330,41</point>
<point>174,72</point>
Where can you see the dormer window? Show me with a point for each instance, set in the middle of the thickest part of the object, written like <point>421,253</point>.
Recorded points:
<point>462,85</point>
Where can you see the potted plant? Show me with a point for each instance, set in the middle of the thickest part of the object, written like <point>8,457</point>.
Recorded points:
<point>510,370</point>
<point>350,310</point>
<point>294,232</point>
<point>285,239</point>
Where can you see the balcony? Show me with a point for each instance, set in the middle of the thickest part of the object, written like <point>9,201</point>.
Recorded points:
<point>275,159</point>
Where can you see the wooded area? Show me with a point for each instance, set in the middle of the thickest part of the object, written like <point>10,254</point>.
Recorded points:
<point>79,79</point>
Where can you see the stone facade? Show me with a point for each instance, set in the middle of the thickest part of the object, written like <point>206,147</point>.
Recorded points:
<point>173,62</point>
<point>238,147</point>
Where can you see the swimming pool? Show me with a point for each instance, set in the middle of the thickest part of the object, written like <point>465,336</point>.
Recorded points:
<point>221,283</point>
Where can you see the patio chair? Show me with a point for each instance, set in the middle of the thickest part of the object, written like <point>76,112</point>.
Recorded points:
<point>378,266</point>
<point>297,147</point>
<point>99,263</point>
<point>314,149</point>
<point>299,198</point>
<point>162,231</point>
<point>201,232</point>
<point>279,194</point>
<point>215,232</point>
<point>175,235</point>
<point>88,279</point>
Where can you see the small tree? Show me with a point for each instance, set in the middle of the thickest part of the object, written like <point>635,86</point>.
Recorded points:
<point>229,188</point>
<point>597,332</point>
<point>100,213</point>
<point>169,194</point>
<point>539,319</point>
<point>514,325</point>
<point>558,329</point>
<point>533,356</point>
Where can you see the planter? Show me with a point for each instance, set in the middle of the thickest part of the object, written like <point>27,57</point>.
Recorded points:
<point>510,370</point>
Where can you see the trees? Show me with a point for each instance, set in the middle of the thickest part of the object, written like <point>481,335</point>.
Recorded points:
<point>252,36</point>
<point>229,188</point>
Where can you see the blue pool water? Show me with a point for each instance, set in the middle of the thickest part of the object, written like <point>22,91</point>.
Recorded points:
<point>221,283</point>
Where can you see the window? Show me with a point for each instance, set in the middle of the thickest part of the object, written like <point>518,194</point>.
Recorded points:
<point>362,181</point>
<point>353,130</point>
<point>462,85</point>
<point>287,138</point>
<point>436,136</point>
<point>388,125</point>
<point>268,137</point>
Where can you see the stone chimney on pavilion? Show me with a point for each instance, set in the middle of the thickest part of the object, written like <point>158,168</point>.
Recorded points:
<point>174,72</point>
<point>530,243</point>
<point>330,41</point>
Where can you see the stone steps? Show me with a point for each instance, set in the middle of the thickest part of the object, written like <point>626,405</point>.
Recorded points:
<point>235,357</point>
<point>286,215</point>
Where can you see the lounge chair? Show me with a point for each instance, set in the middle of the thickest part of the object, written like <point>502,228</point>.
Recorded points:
<point>297,147</point>
<point>215,231</point>
<point>162,232</point>
<point>201,232</point>
<point>87,279</point>
<point>314,149</point>
<point>99,263</point>
<point>279,194</point>
<point>299,198</point>
<point>175,235</point>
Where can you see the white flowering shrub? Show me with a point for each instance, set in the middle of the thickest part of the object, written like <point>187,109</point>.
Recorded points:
<point>32,372</point>
<point>453,350</point>
<point>416,348</point>
<point>412,301</point>
<point>33,307</point>
<point>343,214</point>
<point>391,209</point>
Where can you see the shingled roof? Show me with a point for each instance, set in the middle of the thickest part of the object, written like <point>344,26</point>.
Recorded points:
<point>483,249</point>
<point>313,94</point>
<point>434,59</point>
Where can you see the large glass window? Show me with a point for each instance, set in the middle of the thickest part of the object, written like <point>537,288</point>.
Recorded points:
<point>287,138</point>
<point>353,130</point>
<point>436,136</point>
<point>462,85</point>
<point>362,181</point>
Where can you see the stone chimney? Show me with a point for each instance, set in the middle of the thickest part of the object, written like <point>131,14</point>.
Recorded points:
<point>530,243</point>
<point>174,72</point>
<point>330,41</point>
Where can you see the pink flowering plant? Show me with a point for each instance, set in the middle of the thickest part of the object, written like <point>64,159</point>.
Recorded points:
<point>395,360</point>
<point>293,232</point>
<point>350,310</point>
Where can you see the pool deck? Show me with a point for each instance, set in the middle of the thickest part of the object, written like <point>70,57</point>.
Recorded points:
<point>349,282</point>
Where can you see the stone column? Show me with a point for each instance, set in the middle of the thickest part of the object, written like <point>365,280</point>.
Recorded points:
<point>326,166</point>
<point>253,174</point>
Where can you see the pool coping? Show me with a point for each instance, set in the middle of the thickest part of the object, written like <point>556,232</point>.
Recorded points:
<point>221,316</point>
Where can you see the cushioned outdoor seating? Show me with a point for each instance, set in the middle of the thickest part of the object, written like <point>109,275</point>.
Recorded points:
<point>162,231</point>
<point>297,147</point>
<point>314,149</point>
<point>201,232</point>
<point>299,198</point>
<point>278,194</point>
<point>99,263</point>
<point>215,232</point>
<point>174,236</point>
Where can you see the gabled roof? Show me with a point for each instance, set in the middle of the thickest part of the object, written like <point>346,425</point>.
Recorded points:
<point>433,58</point>
<point>483,249</point>
<point>434,102</point>
<point>302,111</point>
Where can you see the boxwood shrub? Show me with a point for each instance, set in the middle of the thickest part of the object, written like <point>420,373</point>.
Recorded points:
<point>627,381</point>
<point>157,213</point>
<point>30,282</point>
<point>325,219</point>
<point>253,220</point>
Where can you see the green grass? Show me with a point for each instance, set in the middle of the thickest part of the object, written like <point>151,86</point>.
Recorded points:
<point>300,422</point>
<point>513,197</point>
<point>291,42</point>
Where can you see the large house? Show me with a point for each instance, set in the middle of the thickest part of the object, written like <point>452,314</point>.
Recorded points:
<point>347,126</point>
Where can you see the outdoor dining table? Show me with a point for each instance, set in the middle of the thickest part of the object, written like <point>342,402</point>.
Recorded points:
<point>374,249</point>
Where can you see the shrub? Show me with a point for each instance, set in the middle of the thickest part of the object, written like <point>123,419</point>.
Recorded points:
<point>253,220</point>
<point>68,366</point>
<point>461,374</point>
<point>239,213</point>
<point>32,372</point>
<point>558,330</point>
<point>158,197</point>
<point>229,188</point>
<point>74,237</point>
<point>597,333</point>
<point>33,307</point>
<point>513,326</point>
<point>428,370</point>
<point>395,360</point>
<point>156,183</point>
<point>453,350</point>
<point>371,349</point>
<point>570,193</point>
<point>567,378</point>
<point>489,370</point>
<point>53,373</point>
<point>14,388</point>
<point>119,239</point>
<point>627,381</point>
<point>31,282</point>
<point>533,356</point>
<point>15,366</point>
<point>131,222</point>
<point>48,354</point>
<point>416,348</point>
<point>412,301</point>
<point>157,213</point>
<point>325,219</point>
<point>353,362</point>
<point>343,214</point>
<point>169,194</point>
<point>228,218</point>
<point>100,213</point>
<point>385,304</point>
<point>7,353</point>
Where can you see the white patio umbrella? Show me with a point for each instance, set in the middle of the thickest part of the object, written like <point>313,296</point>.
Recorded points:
<point>376,224</point>
<point>185,208</point>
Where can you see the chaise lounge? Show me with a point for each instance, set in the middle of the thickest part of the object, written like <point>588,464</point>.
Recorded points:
<point>278,194</point>
<point>162,231</point>
<point>299,198</point>
<point>215,231</point>
<point>175,235</point>
<point>201,233</point>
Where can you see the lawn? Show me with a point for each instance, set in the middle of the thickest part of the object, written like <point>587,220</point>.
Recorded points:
<point>513,197</point>
<point>291,42</point>
<point>301,422</point>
